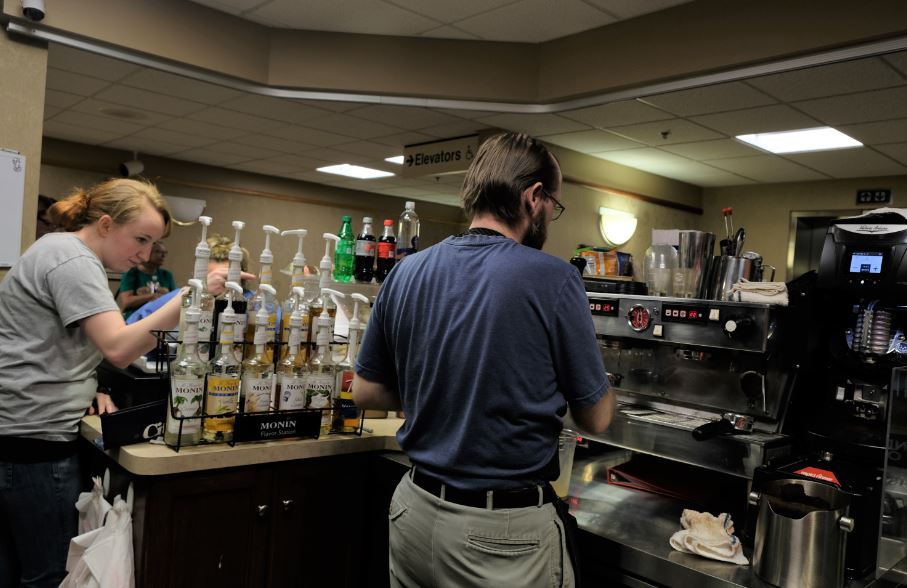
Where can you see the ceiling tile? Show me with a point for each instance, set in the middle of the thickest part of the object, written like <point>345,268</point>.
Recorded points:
<point>896,150</point>
<point>399,140</point>
<point>352,126</point>
<point>456,129</point>
<point>626,112</point>
<point>274,143</point>
<point>369,149</point>
<point>448,12</point>
<point>267,166</point>
<point>768,168</point>
<point>144,146</point>
<point>718,149</point>
<point>306,135</point>
<point>146,100</point>
<point>300,162</point>
<point>679,131</point>
<point>51,111</point>
<point>236,120</point>
<point>239,149</point>
<point>336,154</point>
<point>61,99</point>
<point>669,165</point>
<point>203,129</point>
<point>111,125</point>
<point>64,81</point>
<point>183,140</point>
<point>535,21</point>
<point>470,114</point>
<point>708,177</point>
<point>277,108</point>
<point>591,141</point>
<point>404,117</point>
<point>757,120</point>
<point>828,80</point>
<point>898,61</point>
<point>212,157</point>
<point>536,125</point>
<point>448,32</point>
<point>332,105</point>
<point>625,9</point>
<point>351,16</point>
<point>849,163</point>
<point>710,99</point>
<point>889,131</point>
<point>60,130</point>
<point>119,112</point>
<point>231,6</point>
<point>180,87</point>
<point>857,108</point>
<point>89,64</point>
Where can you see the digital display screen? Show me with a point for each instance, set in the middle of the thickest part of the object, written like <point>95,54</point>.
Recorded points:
<point>682,313</point>
<point>866,262</point>
<point>603,307</point>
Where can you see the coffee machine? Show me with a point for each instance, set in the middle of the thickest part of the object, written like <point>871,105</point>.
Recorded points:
<point>849,405</point>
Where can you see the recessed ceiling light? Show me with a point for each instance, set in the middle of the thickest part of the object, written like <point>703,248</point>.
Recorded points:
<point>354,171</point>
<point>398,159</point>
<point>817,139</point>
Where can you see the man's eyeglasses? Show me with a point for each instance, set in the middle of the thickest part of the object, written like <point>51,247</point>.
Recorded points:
<point>558,207</point>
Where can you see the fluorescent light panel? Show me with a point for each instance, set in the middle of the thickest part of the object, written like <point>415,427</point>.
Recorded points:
<point>398,159</point>
<point>818,139</point>
<point>354,171</point>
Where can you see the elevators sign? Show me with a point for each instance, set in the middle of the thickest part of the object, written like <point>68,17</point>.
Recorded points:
<point>439,157</point>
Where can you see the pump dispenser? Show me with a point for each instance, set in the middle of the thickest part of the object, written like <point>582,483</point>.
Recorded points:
<point>238,303</point>
<point>321,301</point>
<point>292,301</point>
<point>258,369</point>
<point>291,369</point>
<point>187,378</point>
<point>258,300</point>
<point>205,301</point>
<point>320,379</point>
<point>347,415</point>
<point>222,392</point>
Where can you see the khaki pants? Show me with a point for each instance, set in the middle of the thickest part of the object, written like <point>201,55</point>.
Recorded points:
<point>439,544</point>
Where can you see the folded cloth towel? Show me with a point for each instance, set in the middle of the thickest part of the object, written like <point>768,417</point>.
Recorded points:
<point>765,292</point>
<point>709,536</point>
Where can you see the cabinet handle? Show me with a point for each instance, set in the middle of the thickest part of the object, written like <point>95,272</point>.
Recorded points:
<point>287,505</point>
<point>263,510</point>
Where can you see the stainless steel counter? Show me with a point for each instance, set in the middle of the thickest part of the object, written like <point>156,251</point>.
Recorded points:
<point>632,529</point>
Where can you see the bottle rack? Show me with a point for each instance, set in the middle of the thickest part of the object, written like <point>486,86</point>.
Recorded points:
<point>274,424</point>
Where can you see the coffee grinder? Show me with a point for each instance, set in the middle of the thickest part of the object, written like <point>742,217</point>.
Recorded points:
<point>854,376</point>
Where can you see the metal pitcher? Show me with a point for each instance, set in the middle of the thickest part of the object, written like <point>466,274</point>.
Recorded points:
<point>758,271</point>
<point>728,272</point>
<point>693,255</point>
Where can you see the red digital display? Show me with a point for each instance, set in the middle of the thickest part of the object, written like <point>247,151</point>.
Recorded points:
<point>681,313</point>
<point>601,307</point>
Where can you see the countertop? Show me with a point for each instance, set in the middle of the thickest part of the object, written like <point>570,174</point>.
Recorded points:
<point>152,459</point>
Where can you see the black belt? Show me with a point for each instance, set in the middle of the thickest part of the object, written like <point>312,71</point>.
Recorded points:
<point>520,498</point>
<point>28,450</point>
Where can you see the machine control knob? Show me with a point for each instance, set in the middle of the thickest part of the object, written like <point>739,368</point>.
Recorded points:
<point>846,524</point>
<point>737,326</point>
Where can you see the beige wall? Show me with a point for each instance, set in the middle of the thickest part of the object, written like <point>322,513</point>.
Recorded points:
<point>23,70</point>
<point>765,211</point>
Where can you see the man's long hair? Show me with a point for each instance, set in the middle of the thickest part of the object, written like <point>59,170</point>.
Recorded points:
<point>505,165</point>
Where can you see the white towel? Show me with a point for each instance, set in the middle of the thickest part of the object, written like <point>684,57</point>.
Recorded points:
<point>764,292</point>
<point>709,536</point>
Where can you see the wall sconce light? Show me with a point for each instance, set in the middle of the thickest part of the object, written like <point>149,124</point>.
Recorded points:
<point>185,211</point>
<point>616,226</point>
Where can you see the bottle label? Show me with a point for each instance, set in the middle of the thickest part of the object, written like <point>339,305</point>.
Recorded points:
<point>261,335</point>
<point>187,397</point>
<point>386,249</point>
<point>293,341</point>
<point>318,390</point>
<point>365,248</point>
<point>200,271</point>
<point>292,392</point>
<point>271,329</point>
<point>343,247</point>
<point>265,277</point>
<point>239,328</point>
<point>222,395</point>
<point>257,394</point>
<point>190,337</point>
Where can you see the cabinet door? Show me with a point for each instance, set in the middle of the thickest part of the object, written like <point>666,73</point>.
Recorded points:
<point>208,529</point>
<point>317,533</point>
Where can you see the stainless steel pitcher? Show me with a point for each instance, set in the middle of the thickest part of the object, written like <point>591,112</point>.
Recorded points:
<point>693,256</point>
<point>728,272</point>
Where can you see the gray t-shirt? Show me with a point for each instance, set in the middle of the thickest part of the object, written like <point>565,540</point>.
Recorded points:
<point>47,361</point>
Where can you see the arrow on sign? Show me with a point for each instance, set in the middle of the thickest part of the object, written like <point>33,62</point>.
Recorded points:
<point>409,161</point>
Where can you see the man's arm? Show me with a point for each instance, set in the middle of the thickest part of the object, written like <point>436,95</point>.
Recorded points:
<point>595,418</point>
<point>374,395</point>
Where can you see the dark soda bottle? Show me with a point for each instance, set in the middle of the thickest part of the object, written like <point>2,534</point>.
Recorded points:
<point>387,250</point>
<point>366,247</point>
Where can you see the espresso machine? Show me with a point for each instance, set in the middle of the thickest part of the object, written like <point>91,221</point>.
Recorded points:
<point>849,418</point>
<point>699,382</point>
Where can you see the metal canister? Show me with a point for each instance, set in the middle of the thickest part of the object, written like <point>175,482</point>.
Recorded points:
<point>800,534</point>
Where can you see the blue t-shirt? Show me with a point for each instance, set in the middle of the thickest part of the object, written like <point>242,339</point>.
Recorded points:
<point>486,341</point>
<point>149,307</point>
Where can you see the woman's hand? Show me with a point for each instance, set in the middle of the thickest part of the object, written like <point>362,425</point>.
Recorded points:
<point>218,277</point>
<point>104,404</point>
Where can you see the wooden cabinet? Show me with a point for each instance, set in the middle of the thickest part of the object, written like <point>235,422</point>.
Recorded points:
<point>298,524</point>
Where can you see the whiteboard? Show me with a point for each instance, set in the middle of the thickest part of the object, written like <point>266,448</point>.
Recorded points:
<point>12,192</point>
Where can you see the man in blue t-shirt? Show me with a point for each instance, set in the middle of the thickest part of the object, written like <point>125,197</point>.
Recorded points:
<point>484,341</point>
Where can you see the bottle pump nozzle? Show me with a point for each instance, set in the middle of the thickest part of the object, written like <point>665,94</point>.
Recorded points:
<point>232,287</point>
<point>194,313</point>
<point>261,316</point>
<point>202,251</point>
<point>266,255</point>
<point>354,320</point>
<point>299,293</point>
<point>299,258</point>
<point>325,265</point>
<point>235,255</point>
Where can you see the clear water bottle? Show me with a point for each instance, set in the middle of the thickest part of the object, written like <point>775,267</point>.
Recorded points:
<point>366,246</point>
<point>408,231</point>
<point>343,251</point>
<point>661,263</point>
